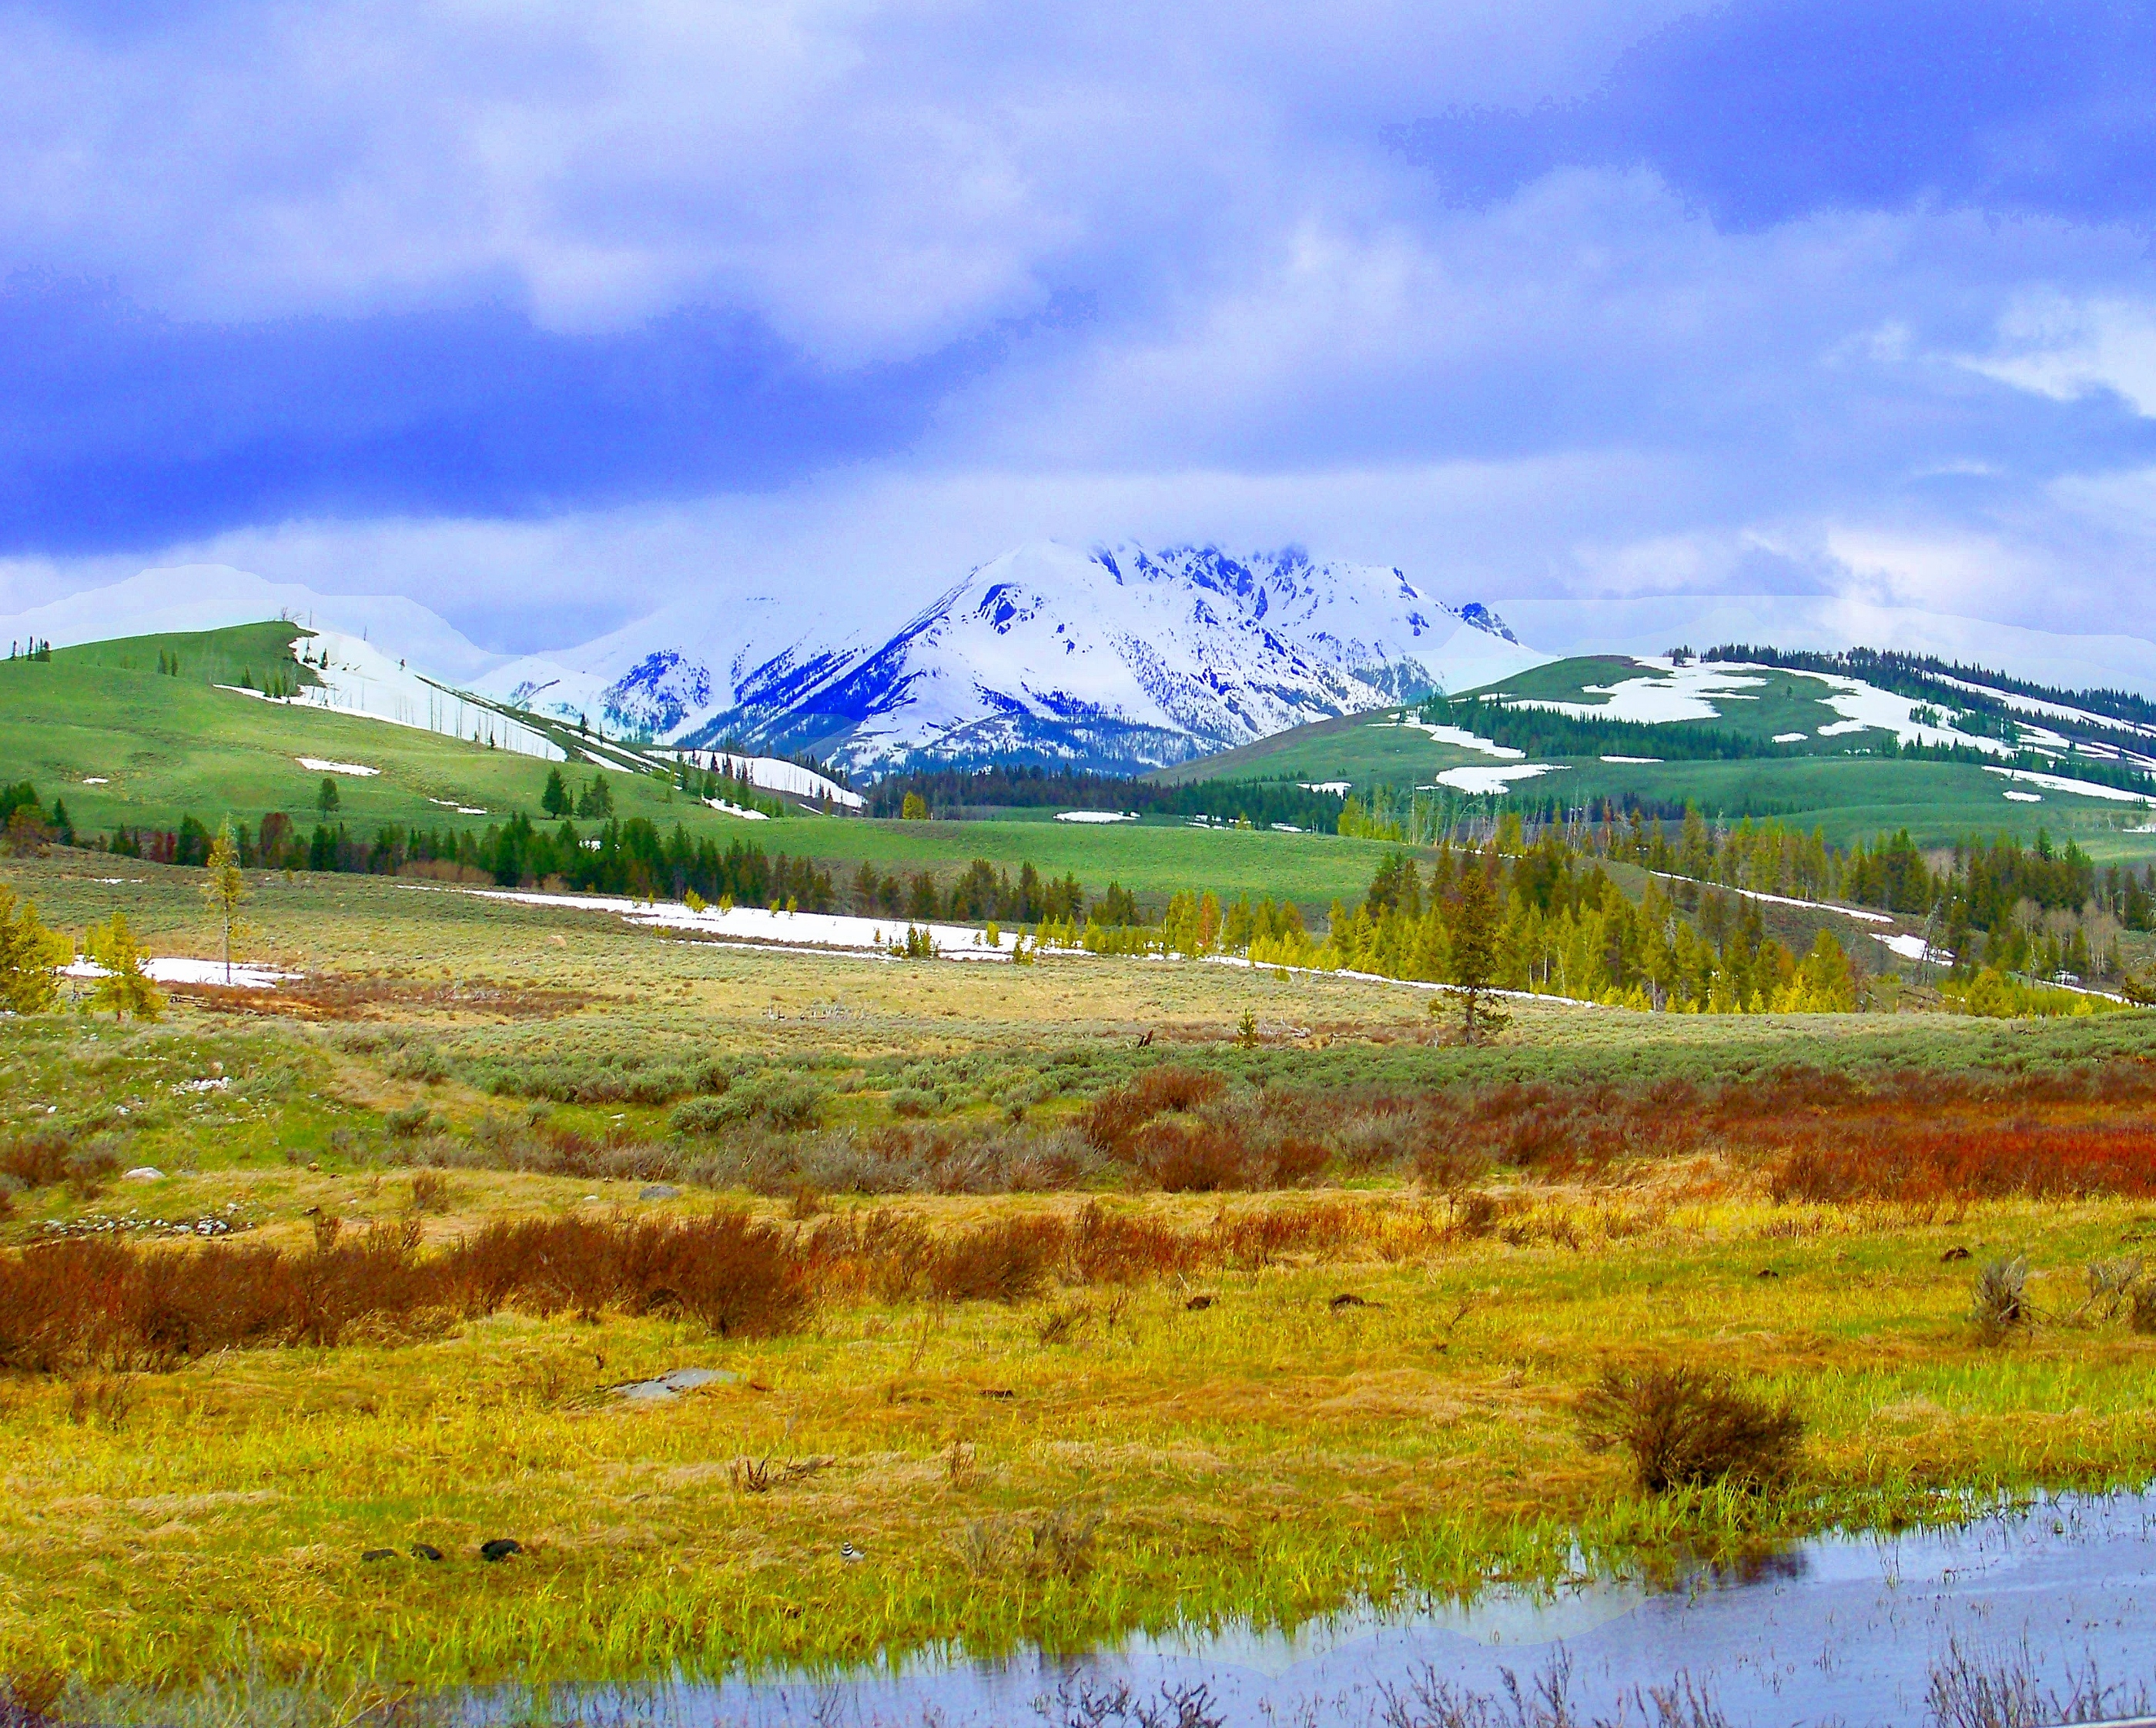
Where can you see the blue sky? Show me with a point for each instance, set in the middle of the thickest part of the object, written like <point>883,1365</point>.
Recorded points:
<point>545,315</point>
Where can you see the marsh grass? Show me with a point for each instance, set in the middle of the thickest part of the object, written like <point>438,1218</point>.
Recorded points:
<point>1975,1689</point>
<point>1546,1699</point>
<point>1504,1213</point>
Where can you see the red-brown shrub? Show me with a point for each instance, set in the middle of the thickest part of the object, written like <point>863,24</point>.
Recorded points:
<point>1916,1164</point>
<point>1112,1118</point>
<point>1113,1248</point>
<point>80,1301</point>
<point>1005,1262</point>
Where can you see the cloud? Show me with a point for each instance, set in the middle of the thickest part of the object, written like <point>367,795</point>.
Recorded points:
<point>551,313</point>
<point>2065,348</point>
<point>1767,110</point>
<point>122,428</point>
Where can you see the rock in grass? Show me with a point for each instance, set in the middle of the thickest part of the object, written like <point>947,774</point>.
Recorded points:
<point>143,1173</point>
<point>425,1551</point>
<point>373,1554</point>
<point>659,1190</point>
<point>500,1548</point>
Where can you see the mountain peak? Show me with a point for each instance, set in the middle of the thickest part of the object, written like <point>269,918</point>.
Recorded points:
<point>1118,656</point>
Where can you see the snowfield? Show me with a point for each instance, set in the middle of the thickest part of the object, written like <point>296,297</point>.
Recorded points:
<point>185,971</point>
<point>1484,781</point>
<point>1114,654</point>
<point>2061,783</point>
<point>359,679</point>
<point>1457,735</point>
<point>751,925</point>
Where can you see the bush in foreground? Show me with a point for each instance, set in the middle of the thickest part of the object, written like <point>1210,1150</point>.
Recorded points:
<point>1683,1428</point>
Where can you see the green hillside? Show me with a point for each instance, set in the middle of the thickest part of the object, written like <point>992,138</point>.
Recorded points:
<point>1760,753</point>
<point>123,744</point>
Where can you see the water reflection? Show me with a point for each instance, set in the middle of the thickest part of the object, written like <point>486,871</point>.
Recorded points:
<point>2030,1614</point>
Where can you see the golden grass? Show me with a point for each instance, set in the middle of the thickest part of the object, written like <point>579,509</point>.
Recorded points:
<point>1273,1454</point>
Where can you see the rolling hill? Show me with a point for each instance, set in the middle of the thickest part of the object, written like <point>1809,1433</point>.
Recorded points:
<point>1854,743</point>
<point>101,728</point>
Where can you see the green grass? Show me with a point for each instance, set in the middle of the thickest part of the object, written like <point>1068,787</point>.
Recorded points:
<point>1851,797</point>
<point>1772,703</point>
<point>1267,1458</point>
<point>168,748</point>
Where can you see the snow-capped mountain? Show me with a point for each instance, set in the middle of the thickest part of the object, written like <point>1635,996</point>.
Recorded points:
<point>1118,658</point>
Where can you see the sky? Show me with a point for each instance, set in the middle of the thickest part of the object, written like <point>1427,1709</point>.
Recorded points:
<point>546,315</point>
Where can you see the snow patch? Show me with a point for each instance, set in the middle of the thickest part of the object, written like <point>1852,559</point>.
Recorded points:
<point>359,679</point>
<point>1638,760</point>
<point>1860,912</point>
<point>2084,789</point>
<point>185,971</point>
<point>1790,738</point>
<point>2013,797</point>
<point>1458,737</point>
<point>2049,710</point>
<point>1667,694</point>
<point>1911,948</point>
<point>315,765</point>
<point>1338,789</point>
<point>771,774</point>
<point>1096,816</point>
<point>805,930</point>
<point>725,809</point>
<point>1483,780</point>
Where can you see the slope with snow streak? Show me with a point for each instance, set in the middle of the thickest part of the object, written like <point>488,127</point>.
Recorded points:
<point>359,679</point>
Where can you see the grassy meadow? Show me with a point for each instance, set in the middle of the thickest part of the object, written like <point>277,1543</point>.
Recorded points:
<point>1116,1293</point>
<point>1851,797</point>
<point>101,728</point>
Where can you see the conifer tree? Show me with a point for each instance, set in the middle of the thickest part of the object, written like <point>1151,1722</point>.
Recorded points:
<point>555,799</point>
<point>30,957</point>
<point>124,988</point>
<point>327,800</point>
<point>1475,955</point>
<point>225,886</point>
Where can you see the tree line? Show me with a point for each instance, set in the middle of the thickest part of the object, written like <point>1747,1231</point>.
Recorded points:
<point>950,792</point>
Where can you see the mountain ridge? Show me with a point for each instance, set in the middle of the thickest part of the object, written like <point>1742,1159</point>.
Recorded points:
<point>1117,658</point>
